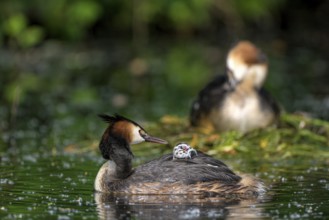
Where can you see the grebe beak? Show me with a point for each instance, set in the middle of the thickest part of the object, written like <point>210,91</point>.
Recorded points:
<point>148,138</point>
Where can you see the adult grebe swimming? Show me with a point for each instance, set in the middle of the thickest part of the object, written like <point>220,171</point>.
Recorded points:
<point>185,171</point>
<point>237,100</point>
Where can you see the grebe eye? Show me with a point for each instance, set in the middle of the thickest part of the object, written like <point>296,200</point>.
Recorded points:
<point>142,133</point>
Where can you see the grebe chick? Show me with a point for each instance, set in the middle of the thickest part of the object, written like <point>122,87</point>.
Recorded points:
<point>183,151</point>
<point>237,100</point>
<point>184,172</point>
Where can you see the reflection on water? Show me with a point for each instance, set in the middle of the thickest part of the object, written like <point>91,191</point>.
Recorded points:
<point>43,185</point>
<point>173,207</point>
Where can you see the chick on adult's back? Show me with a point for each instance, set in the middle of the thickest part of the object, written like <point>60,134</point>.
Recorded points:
<point>185,171</point>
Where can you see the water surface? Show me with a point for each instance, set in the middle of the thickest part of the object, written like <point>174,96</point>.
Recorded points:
<point>44,186</point>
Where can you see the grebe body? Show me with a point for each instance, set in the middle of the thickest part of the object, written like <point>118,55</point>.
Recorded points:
<point>194,173</point>
<point>237,100</point>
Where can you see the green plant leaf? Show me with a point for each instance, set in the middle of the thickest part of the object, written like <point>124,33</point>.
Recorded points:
<point>31,36</point>
<point>15,24</point>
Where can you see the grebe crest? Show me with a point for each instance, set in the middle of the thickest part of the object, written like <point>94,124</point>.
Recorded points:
<point>183,151</point>
<point>127,130</point>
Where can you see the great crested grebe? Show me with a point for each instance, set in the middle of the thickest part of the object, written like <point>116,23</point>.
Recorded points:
<point>237,100</point>
<point>185,171</point>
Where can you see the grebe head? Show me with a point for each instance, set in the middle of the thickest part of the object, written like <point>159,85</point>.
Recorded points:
<point>246,61</point>
<point>115,147</point>
<point>128,130</point>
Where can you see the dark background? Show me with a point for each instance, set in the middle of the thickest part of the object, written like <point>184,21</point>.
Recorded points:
<point>64,61</point>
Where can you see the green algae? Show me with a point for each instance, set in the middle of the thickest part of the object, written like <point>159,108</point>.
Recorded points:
<point>296,136</point>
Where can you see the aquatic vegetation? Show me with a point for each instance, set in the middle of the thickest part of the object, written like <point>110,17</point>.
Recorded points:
<point>296,136</point>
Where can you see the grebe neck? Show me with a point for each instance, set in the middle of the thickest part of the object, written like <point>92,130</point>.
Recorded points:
<point>117,150</point>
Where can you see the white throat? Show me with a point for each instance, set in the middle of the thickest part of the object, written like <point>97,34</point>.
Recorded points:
<point>258,73</point>
<point>136,136</point>
<point>241,71</point>
<point>238,69</point>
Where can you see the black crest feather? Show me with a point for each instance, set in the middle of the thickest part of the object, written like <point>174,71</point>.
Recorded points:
<point>115,118</point>
<point>108,118</point>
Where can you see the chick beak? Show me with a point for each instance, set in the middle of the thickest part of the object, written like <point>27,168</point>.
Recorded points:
<point>149,138</point>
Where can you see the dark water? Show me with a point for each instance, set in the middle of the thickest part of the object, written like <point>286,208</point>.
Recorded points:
<point>41,186</point>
